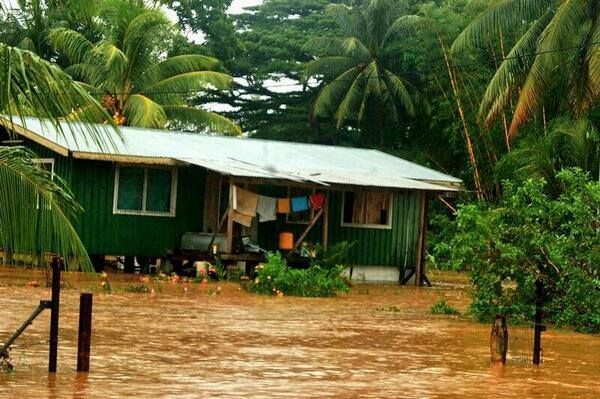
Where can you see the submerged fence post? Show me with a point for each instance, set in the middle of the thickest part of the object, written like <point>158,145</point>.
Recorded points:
<point>52,357</point>
<point>538,327</point>
<point>499,340</point>
<point>85,332</point>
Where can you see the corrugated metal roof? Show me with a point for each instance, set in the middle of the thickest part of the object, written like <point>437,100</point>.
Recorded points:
<point>244,157</point>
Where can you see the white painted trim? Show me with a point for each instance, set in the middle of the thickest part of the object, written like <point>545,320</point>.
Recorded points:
<point>143,212</point>
<point>387,226</point>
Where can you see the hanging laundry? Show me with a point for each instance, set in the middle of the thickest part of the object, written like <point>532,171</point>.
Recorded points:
<point>283,205</point>
<point>299,204</point>
<point>242,219</point>
<point>244,202</point>
<point>316,200</point>
<point>266,209</point>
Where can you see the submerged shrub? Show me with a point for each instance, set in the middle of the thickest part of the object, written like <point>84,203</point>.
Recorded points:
<point>531,234</point>
<point>275,278</point>
<point>442,307</point>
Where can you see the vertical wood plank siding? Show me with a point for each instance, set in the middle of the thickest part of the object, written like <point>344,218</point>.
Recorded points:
<point>102,232</point>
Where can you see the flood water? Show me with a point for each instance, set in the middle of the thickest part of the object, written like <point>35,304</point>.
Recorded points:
<point>375,342</point>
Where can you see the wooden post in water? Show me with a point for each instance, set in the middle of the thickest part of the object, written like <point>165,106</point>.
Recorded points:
<point>52,356</point>
<point>85,332</point>
<point>538,327</point>
<point>499,340</point>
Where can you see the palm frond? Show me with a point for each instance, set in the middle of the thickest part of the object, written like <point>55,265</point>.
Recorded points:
<point>177,65</point>
<point>399,92</point>
<point>202,120</point>
<point>328,67</point>
<point>403,25</point>
<point>355,49</point>
<point>500,17</point>
<point>569,16</point>
<point>184,85</point>
<point>346,19</point>
<point>512,72</point>
<point>142,31</point>
<point>36,212</point>
<point>352,101</point>
<point>31,85</point>
<point>109,63</point>
<point>70,43</point>
<point>324,46</point>
<point>333,93</point>
<point>141,111</point>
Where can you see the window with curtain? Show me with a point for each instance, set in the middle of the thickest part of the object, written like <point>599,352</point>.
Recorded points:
<point>145,191</point>
<point>367,209</point>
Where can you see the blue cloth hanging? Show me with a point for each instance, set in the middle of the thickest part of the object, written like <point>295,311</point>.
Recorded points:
<point>299,204</point>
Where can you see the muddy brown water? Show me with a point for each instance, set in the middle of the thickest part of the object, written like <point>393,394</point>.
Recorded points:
<point>376,342</point>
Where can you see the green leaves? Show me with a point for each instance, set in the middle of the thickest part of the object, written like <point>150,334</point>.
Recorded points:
<point>36,211</point>
<point>529,234</point>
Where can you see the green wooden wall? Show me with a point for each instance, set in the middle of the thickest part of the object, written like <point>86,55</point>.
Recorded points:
<point>103,232</point>
<point>381,247</point>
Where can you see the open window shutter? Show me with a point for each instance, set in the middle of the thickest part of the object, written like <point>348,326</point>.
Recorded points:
<point>158,194</point>
<point>131,187</point>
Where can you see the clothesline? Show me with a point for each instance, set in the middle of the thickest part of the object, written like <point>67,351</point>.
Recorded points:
<point>246,205</point>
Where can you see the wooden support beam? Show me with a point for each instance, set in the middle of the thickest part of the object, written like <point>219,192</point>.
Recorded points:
<point>85,332</point>
<point>219,227</point>
<point>55,307</point>
<point>325,236</point>
<point>229,246</point>
<point>420,261</point>
<point>306,231</point>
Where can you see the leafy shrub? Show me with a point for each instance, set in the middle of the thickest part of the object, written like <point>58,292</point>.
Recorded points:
<point>276,278</point>
<point>530,235</point>
<point>442,307</point>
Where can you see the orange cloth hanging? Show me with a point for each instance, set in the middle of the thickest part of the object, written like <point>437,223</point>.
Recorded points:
<point>283,205</point>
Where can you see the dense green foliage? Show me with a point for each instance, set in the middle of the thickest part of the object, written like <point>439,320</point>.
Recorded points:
<point>532,234</point>
<point>275,278</point>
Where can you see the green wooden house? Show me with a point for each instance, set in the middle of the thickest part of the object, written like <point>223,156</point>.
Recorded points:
<point>158,193</point>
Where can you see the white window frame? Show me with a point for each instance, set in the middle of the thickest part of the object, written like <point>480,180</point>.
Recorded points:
<point>143,212</point>
<point>44,161</point>
<point>387,226</point>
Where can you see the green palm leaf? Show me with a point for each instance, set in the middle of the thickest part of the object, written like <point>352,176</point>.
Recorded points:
<point>328,67</point>
<point>399,92</point>
<point>36,212</point>
<point>503,16</point>
<point>143,112</point>
<point>70,43</point>
<point>184,85</point>
<point>199,119</point>
<point>512,72</point>
<point>177,65</point>
<point>332,94</point>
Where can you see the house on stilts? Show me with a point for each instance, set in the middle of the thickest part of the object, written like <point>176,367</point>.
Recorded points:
<point>176,195</point>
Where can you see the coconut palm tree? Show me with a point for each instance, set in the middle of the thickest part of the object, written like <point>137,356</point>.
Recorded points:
<point>354,67</point>
<point>557,53</point>
<point>567,144</point>
<point>139,84</point>
<point>36,210</point>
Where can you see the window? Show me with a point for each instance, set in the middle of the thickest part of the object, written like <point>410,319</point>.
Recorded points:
<point>145,191</point>
<point>370,209</point>
<point>300,217</point>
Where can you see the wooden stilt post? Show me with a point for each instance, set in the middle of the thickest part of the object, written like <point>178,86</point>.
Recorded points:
<point>419,266</point>
<point>499,340</point>
<point>52,356</point>
<point>85,332</point>
<point>229,244</point>
<point>538,327</point>
<point>325,237</point>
